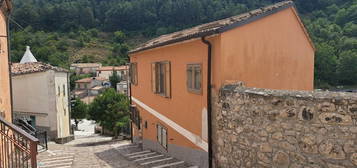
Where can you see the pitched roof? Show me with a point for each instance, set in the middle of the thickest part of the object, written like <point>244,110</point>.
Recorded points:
<point>88,80</point>
<point>116,68</point>
<point>86,65</point>
<point>212,28</point>
<point>28,56</point>
<point>33,67</point>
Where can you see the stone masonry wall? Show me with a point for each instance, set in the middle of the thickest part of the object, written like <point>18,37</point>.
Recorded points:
<point>266,128</point>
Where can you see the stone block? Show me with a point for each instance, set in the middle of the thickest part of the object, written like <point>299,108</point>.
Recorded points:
<point>281,159</point>
<point>332,150</point>
<point>334,118</point>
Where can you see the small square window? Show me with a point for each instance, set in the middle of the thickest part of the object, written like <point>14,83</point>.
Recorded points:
<point>64,90</point>
<point>161,78</point>
<point>194,78</point>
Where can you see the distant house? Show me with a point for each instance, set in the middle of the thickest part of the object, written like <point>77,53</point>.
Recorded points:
<point>90,86</point>
<point>107,71</point>
<point>85,68</point>
<point>175,77</point>
<point>41,95</point>
<point>122,87</point>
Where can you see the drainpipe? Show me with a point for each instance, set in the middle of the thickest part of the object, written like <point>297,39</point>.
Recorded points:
<point>130,102</point>
<point>69,99</point>
<point>209,103</point>
<point>9,61</point>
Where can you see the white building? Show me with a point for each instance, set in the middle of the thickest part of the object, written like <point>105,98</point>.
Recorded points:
<point>107,71</point>
<point>40,93</point>
<point>85,68</point>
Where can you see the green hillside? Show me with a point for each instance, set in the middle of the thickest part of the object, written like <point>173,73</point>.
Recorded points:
<point>65,31</point>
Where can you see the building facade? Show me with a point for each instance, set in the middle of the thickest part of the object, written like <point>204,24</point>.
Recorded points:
<point>171,75</point>
<point>107,71</point>
<point>85,68</point>
<point>5,98</point>
<point>40,93</point>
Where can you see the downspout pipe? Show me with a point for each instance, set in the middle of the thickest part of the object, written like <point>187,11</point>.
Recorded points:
<point>130,101</point>
<point>209,98</point>
<point>8,15</point>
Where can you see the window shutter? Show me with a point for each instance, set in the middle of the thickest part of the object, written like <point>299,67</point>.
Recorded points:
<point>153,77</point>
<point>197,79</point>
<point>189,77</point>
<point>167,79</point>
<point>136,73</point>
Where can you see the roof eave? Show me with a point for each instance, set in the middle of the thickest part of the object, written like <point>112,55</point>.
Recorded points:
<point>216,31</point>
<point>197,35</point>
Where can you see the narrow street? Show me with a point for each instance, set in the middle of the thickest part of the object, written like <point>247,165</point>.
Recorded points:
<point>88,150</point>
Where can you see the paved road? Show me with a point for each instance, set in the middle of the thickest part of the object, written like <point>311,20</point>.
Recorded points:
<point>88,150</point>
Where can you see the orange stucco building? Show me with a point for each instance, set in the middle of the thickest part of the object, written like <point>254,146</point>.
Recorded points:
<point>5,98</point>
<point>170,75</point>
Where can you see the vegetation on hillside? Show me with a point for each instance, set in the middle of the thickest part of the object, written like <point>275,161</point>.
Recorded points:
<point>57,29</point>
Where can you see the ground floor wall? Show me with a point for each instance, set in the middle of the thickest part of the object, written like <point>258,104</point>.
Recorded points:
<point>266,128</point>
<point>42,123</point>
<point>178,146</point>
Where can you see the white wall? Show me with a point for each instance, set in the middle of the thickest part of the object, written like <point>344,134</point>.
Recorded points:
<point>107,74</point>
<point>37,94</point>
<point>63,120</point>
<point>31,94</point>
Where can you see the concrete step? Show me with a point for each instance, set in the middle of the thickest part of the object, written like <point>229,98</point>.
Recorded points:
<point>56,159</point>
<point>170,164</point>
<point>150,159</point>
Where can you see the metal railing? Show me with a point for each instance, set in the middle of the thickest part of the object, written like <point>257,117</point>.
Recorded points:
<point>42,138</point>
<point>18,149</point>
<point>40,135</point>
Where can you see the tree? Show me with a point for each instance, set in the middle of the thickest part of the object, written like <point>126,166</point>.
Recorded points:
<point>325,65</point>
<point>110,110</point>
<point>119,37</point>
<point>79,111</point>
<point>347,69</point>
<point>114,79</point>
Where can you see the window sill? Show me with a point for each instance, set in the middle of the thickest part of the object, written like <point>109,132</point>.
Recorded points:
<point>162,95</point>
<point>197,92</point>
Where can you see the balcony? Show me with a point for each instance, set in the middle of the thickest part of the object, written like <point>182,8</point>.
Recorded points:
<point>18,149</point>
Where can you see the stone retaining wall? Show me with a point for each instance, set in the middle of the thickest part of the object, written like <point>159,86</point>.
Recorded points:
<point>266,128</point>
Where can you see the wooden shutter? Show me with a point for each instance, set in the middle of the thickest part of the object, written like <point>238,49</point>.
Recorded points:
<point>167,79</point>
<point>153,77</point>
<point>133,73</point>
<point>189,77</point>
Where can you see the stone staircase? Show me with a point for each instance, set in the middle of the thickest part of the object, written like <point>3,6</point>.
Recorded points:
<point>150,159</point>
<point>56,159</point>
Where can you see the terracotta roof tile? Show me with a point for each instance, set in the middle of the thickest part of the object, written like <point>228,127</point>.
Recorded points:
<point>27,68</point>
<point>209,28</point>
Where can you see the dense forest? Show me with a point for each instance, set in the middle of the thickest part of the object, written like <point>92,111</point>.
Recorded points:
<point>65,31</point>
